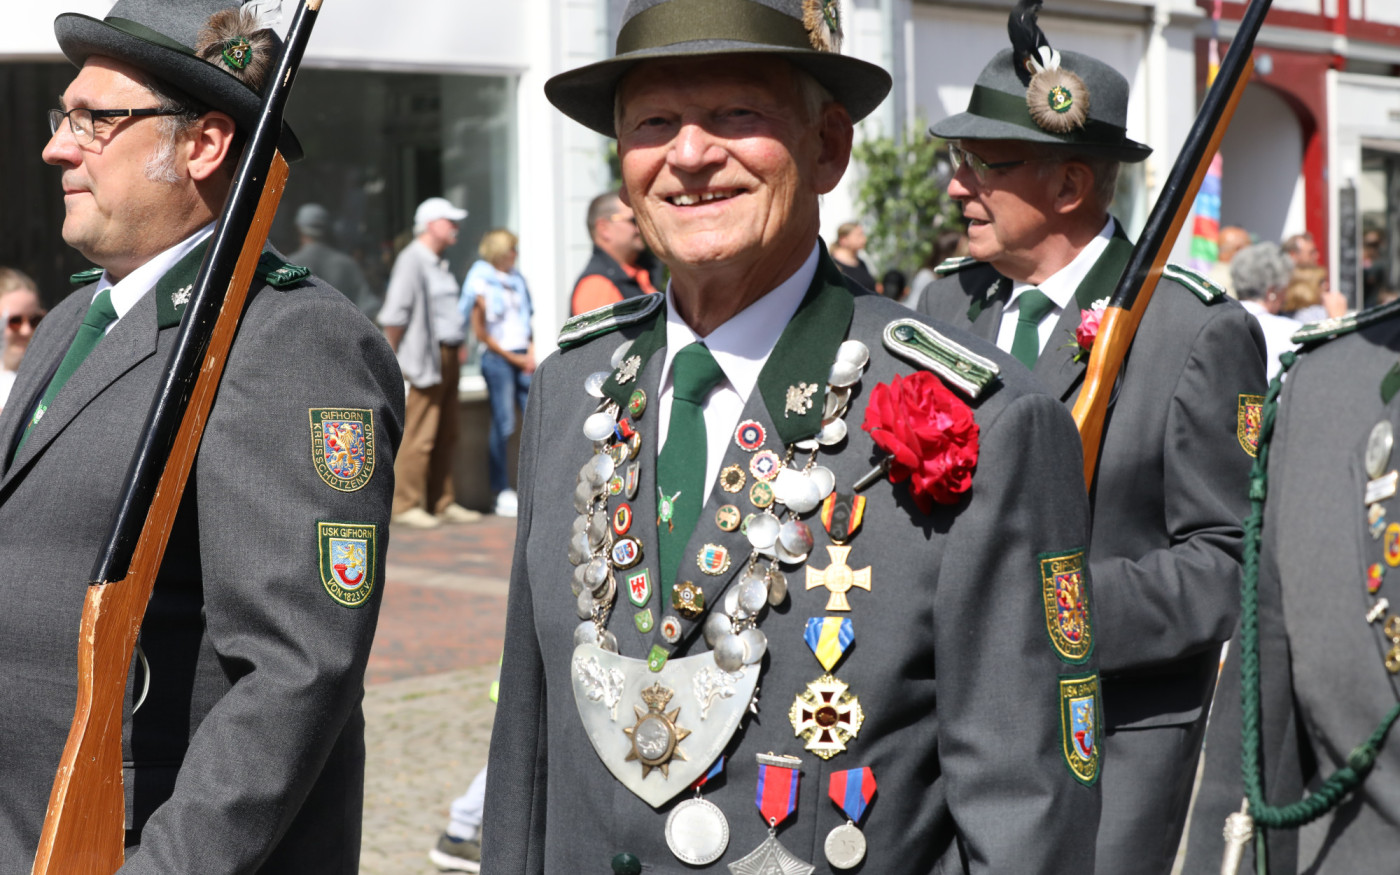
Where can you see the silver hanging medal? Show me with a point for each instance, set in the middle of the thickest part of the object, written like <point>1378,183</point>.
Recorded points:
<point>778,777</point>
<point>1378,448</point>
<point>696,830</point>
<point>851,790</point>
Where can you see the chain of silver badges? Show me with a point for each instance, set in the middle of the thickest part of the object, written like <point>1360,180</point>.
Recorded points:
<point>685,708</point>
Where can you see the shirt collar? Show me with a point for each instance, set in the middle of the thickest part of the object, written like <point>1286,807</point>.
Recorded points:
<point>134,285</point>
<point>1061,286</point>
<point>741,345</point>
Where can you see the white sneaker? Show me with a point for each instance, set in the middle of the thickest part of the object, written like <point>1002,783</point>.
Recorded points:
<point>455,513</point>
<point>417,518</point>
<point>506,503</point>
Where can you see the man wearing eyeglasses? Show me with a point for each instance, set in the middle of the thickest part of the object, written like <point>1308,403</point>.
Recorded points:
<point>1035,174</point>
<point>20,311</point>
<point>242,741</point>
<point>620,267</point>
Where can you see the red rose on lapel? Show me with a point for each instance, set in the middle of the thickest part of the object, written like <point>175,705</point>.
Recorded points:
<point>1088,330</point>
<point>930,435</point>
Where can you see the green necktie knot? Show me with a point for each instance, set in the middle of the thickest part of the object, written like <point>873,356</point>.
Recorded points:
<point>1025,345</point>
<point>694,373</point>
<point>101,313</point>
<point>1034,305</point>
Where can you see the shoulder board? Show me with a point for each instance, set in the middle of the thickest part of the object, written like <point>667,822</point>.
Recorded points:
<point>279,273</point>
<point>1327,329</point>
<point>628,311</point>
<point>920,345</point>
<point>1203,288</point>
<point>83,277</point>
<point>953,265</point>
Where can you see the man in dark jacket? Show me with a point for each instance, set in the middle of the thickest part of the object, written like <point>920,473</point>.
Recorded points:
<point>620,267</point>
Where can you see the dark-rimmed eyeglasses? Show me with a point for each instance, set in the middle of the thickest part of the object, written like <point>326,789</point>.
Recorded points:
<point>18,319</point>
<point>980,168</point>
<point>615,217</point>
<point>81,120</point>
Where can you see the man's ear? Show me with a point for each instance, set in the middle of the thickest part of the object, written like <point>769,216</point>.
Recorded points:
<point>836,131</point>
<point>1075,187</point>
<point>209,144</point>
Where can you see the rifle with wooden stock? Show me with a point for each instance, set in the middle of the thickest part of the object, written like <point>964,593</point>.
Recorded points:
<point>1139,280</point>
<point>84,826</point>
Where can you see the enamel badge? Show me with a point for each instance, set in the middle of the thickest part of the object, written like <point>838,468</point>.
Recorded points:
<point>1066,596</point>
<point>1079,722</point>
<point>639,588</point>
<point>826,716</point>
<point>347,552</point>
<point>1248,421</point>
<point>342,446</point>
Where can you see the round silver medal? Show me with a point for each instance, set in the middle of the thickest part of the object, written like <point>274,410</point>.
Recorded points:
<point>696,832</point>
<point>845,846</point>
<point>1378,448</point>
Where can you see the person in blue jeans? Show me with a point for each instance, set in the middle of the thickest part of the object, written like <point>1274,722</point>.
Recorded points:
<point>497,302</point>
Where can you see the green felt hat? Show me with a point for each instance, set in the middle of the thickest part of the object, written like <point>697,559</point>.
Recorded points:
<point>158,37</point>
<point>806,33</point>
<point>1031,92</point>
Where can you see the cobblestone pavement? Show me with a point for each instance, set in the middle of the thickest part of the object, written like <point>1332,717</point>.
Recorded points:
<point>427,715</point>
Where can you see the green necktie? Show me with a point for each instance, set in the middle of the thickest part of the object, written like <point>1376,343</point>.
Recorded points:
<point>99,315</point>
<point>680,468</point>
<point>1025,346</point>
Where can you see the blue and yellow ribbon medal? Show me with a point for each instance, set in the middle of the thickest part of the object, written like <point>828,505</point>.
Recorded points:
<point>852,791</point>
<point>776,799</point>
<point>696,830</point>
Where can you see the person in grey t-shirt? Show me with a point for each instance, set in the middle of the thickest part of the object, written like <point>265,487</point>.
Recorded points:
<point>423,326</point>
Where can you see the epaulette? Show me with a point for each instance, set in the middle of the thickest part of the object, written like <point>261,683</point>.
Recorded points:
<point>586,326</point>
<point>955,264</point>
<point>83,277</point>
<point>1203,288</point>
<point>279,273</point>
<point>1327,329</point>
<point>920,345</point>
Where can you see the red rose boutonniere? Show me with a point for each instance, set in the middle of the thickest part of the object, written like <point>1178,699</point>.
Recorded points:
<point>930,435</point>
<point>1088,330</point>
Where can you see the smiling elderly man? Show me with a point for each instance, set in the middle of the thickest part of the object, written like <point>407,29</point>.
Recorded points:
<point>781,543</point>
<point>1037,156</point>
<point>243,739</point>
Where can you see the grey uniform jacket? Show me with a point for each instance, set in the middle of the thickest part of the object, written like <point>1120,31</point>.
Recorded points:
<point>1168,500</point>
<point>952,661</point>
<point>248,754</point>
<point>1324,682</point>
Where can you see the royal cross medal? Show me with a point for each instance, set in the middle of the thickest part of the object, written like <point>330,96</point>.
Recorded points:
<point>826,716</point>
<point>655,736</point>
<point>838,577</point>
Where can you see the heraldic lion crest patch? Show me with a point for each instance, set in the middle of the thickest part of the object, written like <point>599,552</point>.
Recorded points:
<point>1249,422</point>
<point>1065,591</point>
<point>342,446</point>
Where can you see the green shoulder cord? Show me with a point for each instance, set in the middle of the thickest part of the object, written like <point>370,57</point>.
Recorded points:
<point>1359,762</point>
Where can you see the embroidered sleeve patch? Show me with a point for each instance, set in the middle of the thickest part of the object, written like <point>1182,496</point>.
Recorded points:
<point>347,561</point>
<point>1080,716</point>
<point>342,446</point>
<point>1248,421</point>
<point>1064,590</point>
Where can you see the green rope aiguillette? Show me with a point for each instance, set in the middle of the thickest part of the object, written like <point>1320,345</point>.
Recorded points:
<point>1361,759</point>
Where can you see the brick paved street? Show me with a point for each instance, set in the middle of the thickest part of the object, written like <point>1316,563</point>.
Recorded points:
<point>428,719</point>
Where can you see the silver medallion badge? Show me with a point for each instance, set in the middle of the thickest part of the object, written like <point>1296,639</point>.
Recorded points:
<point>697,832</point>
<point>845,846</point>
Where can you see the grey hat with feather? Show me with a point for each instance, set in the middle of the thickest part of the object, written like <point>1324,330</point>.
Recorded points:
<point>1033,93</point>
<point>806,33</point>
<point>160,38</point>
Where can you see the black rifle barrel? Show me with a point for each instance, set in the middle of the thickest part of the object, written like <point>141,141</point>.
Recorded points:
<point>1193,152</point>
<point>215,274</point>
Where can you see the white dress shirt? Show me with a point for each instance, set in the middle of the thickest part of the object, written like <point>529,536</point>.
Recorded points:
<point>1059,288</point>
<point>741,347</point>
<point>134,285</point>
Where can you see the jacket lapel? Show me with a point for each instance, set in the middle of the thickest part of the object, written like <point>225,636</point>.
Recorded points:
<point>1373,549</point>
<point>37,370</point>
<point>985,312</point>
<point>1056,368</point>
<point>131,341</point>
